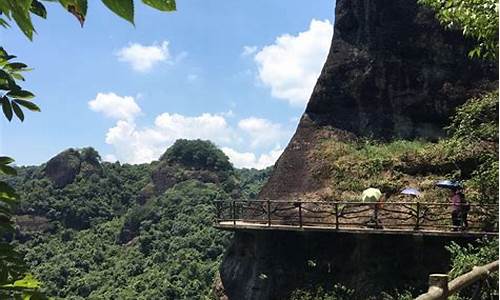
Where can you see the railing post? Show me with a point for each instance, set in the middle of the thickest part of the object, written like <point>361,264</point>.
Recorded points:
<point>234,212</point>
<point>268,213</point>
<point>439,282</point>
<point>300,214</point>
<point>336,215</point>
<point>417,221</point>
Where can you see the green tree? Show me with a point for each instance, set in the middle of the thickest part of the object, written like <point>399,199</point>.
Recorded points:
<point>477,19</point>
<point>13,99</point>
<point>465,258</point>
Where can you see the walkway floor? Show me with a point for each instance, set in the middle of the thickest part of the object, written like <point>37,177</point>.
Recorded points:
<point>242,225</point>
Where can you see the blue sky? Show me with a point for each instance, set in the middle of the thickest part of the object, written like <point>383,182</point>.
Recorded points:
<point>236,72</point>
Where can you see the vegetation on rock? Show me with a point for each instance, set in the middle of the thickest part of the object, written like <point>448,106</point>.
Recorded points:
<point>468,154</point>
<point>97,238</point>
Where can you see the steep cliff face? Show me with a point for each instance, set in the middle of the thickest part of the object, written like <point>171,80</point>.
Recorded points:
<point>392,72</point>
<point>63,168</point>
<point>270,265</point>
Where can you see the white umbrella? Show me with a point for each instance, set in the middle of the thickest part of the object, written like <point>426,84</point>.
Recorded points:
<point>371,195</point>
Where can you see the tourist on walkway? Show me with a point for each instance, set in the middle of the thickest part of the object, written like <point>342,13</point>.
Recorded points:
<point>373,195</point>
<point>459,209</point>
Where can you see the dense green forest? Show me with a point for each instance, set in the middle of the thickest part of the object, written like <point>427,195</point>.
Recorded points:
<point>97,230</point>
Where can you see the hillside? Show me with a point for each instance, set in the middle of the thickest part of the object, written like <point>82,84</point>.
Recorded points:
<point>90,230</point>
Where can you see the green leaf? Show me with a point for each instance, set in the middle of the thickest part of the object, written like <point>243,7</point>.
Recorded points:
<point>22,94</point>
<point>7,108</point>
<point>8,170</point>
<point>7,193</point>
<point>18,76</point>
<point>163,5</point>
<point>123,8</point>
<point>16,65</point>
<point>4,160</point>
<point>20,10</point>
<point>3,52</point>
<point>18,111</point>
<point>38,9</point>
<point>5,75</point>
<point>28,104</point>
<point>4,23</point>
<point>27,282</point>
<point>76,7</point>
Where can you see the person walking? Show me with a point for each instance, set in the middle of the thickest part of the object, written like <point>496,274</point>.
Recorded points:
<point>464,207</point>
<point>459,209</point>
<point>374,196</point>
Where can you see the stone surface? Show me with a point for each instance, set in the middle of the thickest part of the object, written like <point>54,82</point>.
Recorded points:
<point>63,168</point>
<point>392,72</point>
<point>271,264</point>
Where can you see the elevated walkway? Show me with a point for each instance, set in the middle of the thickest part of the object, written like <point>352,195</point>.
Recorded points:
<point>395,218</point>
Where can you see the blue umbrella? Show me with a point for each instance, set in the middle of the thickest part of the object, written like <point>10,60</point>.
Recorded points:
<point>411,191</point>
<point>448,184</point>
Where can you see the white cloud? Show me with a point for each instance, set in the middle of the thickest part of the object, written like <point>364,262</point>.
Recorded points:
<point>140,145</point>
<point>248,50</point>
<point>110,158</point>
<point>261,131</point>
<point>250,160</point>
<point>114,106</point>
<point>134,144</point>
<point>143,58</point>
<point>205,126</point>
<point>291,66</point>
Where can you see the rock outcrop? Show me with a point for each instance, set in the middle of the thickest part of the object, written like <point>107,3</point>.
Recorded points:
<point>63,168</point>
<point>393,72</point>
<point>271,264</point>
<point>190,159</point>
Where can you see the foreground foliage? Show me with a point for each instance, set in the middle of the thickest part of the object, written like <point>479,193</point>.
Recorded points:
<point>477,19</point>
<point>464,258</point>
<point>14,100</point>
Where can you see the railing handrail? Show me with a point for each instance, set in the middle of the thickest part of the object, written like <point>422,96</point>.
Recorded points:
<point>333,202</point>
<point>440,288</point>
<point>412,216</point>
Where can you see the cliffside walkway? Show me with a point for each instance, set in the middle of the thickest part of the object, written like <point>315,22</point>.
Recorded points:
<point>418,218</point>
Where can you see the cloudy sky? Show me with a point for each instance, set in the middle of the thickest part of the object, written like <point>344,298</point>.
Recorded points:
<point>238,73</point>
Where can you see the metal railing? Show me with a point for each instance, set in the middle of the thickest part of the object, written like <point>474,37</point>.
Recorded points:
<point>440,288</point>
<point>412,216</point>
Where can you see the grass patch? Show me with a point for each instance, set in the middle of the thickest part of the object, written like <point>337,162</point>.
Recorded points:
<point>469,154</point>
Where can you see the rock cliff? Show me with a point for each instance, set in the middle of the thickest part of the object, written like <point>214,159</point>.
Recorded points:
<point>63,168</point>
<point>392,73</point>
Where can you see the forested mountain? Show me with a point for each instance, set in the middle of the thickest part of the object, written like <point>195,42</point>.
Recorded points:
<point>97,230</point>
